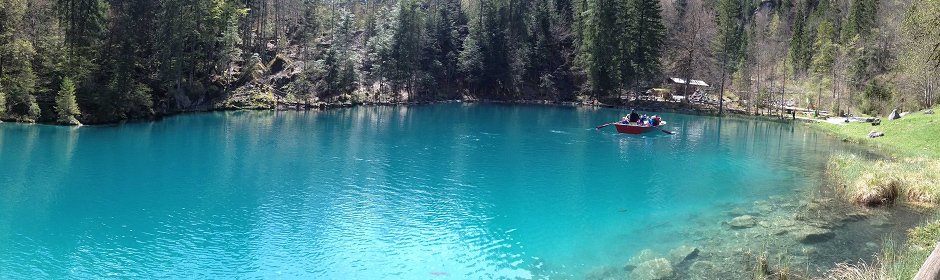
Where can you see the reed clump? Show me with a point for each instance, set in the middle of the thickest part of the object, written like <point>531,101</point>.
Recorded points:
<point>876,182</point>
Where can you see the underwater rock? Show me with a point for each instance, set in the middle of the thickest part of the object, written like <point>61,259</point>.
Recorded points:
<point>702,270</point>
<point>742,222</point>
<point>738,211</point>
<point>656,269</point>
<point>882,222</point>
<point>810,234</point>
<point>854,217</point>
<point>644,256</point>
<point>763,207</point>
<point>683,253</point>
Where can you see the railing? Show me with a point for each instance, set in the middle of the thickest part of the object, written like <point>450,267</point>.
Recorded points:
<point>931,268</point>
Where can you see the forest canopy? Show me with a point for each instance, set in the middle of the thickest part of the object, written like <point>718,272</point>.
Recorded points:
<point>107,60</point>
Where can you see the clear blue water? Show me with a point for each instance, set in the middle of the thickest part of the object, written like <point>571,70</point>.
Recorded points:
<point>455,191</point>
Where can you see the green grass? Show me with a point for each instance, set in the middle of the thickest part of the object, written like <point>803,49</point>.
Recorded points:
<point>903,262</point>
<point>914,135</point>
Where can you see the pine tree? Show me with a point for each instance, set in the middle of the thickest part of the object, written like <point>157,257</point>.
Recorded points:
<point>85,24</point>
<point>728,41</point>
<point>647,33</point>
<point>861,19</point>
<point>602,69</point>
<point>471,60</point>
<point>65,105</point>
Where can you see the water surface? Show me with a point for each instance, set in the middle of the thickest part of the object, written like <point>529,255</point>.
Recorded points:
<point>451,191</point>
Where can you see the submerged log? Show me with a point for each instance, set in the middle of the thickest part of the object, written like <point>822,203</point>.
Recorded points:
<point>931,268</point>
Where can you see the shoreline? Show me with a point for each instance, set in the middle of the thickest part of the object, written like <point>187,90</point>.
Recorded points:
<point>645,106</point>
<point>906,176</point>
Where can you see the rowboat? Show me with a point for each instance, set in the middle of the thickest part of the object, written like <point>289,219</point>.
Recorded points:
<point>637,129</point>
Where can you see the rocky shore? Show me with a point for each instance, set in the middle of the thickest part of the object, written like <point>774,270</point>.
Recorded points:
<point>774,238</point>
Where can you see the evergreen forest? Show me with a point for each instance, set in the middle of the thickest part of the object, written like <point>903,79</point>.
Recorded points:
<point>99,61</point>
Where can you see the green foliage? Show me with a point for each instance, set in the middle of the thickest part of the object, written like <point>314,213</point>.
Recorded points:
<point>730,41</point>
<point>800,44</point>
<point>642,41</point>
<point>861,19</point>
<point>65,105</point>
<point>875,97</point>
<point>133,59</point>
<point>924,236</point>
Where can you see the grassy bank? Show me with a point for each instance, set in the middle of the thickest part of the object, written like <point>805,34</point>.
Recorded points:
<point>911,171</point>
<point>909,174</point>
<point>915,135</point>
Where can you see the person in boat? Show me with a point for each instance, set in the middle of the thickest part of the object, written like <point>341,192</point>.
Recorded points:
<point>643,119</point>
<point>655,121</point>
<point>633,117</point>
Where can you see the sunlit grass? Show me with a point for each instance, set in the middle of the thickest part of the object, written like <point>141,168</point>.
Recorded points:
<point>916,135</point>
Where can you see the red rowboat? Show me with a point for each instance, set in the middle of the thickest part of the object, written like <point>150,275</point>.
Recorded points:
<point>637,129</point>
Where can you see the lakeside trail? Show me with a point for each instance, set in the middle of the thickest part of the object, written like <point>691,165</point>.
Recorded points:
<point>908,175</point>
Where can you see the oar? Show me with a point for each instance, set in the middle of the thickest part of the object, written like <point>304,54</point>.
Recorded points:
<point>667,132</point>
<point>604,125</point>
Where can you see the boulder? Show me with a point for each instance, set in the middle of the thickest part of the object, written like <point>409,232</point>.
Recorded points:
<point>928,111</point>
<point>810,234</point>
<point>742,222</point>
<point>875,134</point>
<point>904,114</point>
<point>894,115</point>
<point>656,269</point>
<point>643,256</point>
<point>683,253</point>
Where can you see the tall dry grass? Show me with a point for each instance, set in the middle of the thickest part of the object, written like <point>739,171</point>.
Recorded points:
<point>878,182</point>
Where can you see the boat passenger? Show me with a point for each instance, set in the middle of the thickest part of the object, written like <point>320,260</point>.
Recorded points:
<point>633,117</point>
<point>643,119</point>
<point>655,121</point>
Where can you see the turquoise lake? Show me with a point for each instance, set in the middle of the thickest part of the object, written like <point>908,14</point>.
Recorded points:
<point>450,191</point>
